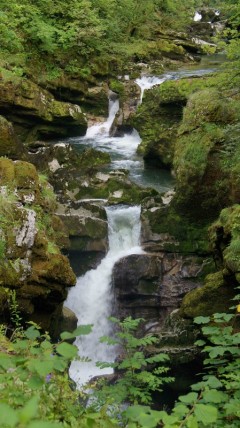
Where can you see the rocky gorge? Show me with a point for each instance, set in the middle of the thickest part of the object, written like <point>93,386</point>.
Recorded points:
<point>53,197</point>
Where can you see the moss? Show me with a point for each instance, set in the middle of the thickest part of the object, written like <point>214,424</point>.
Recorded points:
<point>224,238</point>
<point>56,269</point>
<point>207,106</point>
<point>117,86</point>
<point>7,171</point>
<point>26,175</point>
<point>9,144</point>
<point>92,158</point>
<point>213,297</point>
<point>190,236</point>
<point>116,190</point>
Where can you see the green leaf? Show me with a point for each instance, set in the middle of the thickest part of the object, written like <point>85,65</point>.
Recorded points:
<point>82,330</point>
<point>43,368</point>
<point>201,320</point>
<point>192,422</point>
<point>190,398</point>
<point>32,333</point>
<point>44,424</point>
<point>214,396</point>
<point>200,343</point>
<point>30,410</point>
<point>213,381</point>
<point>35,382</point>
<point>67,350</point>
<point>206,414</point>
<point>180,410</point>
<point>8,416</point>
<point>65,335</point>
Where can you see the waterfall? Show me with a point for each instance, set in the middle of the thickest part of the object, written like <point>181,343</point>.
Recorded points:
<point>91,299</point>
<point>147,82</point>
<point>197,17</point>
<point>104,127</point>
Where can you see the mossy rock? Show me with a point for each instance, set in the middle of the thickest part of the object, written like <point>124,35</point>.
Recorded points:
<point>56,270</point>
<point>208,106</point>
<point>26,176</point>
<point>91,158</point>
<point>36,113</point>
<point>9,144</point>
<point>7,171</point>
<point>187,236</point>
<point>215,296</point>
<point>224,238</point>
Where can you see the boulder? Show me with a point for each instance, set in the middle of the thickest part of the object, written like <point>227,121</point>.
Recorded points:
<point>9,143</point>
<point>151,285</point>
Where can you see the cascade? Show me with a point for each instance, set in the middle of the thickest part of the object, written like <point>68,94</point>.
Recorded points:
<point>103,128</point>
<point>91,299</point>
<point>147,82</point>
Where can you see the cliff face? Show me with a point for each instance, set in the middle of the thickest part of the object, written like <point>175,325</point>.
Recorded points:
<point>31,265</point>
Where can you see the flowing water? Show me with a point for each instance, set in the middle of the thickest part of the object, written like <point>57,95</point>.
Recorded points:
<point>91,298</point>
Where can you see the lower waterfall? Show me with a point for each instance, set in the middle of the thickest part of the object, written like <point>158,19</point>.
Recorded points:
<point>92,298</point>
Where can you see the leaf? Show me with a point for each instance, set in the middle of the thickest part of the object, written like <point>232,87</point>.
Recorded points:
<point>206,414</point>
<point>190,398</point>
<point>44,424</point>
<point>8,416</point>
<point>30,410</point>
<point>82,330</point>
<point>214,396</point>
<point>35,382</point>
<point>65,335</point>
<point>192,422</point>
<point>181,410</point>
<point>43,368</point>
<point>213,381</point>
<point>32,333</point>
<point>200,343</point>
<point>201,320</point>
<point>67,350</point>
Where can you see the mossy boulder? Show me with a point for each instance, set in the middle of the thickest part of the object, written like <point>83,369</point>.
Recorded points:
<point>201,155</point>
<point>215,296</point>
<point>174,232</point>
<point>225,242</point>
<point>34,111</point>
<point>9,144</point>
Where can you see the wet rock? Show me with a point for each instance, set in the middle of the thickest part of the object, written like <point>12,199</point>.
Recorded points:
<point>87,231</point>
<point>152,285</point>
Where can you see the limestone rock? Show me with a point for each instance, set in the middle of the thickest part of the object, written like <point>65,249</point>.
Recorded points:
<point>34,111</point>
<point>151,285</point>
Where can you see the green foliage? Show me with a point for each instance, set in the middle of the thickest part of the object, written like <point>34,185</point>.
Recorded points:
<point>139,374</point>
<point>214,401</point>
<point>34,385</point>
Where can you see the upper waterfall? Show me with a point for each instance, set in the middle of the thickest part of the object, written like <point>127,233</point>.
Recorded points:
<point>147,82</point>
<point>103,128</point>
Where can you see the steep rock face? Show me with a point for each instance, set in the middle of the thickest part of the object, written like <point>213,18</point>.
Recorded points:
<point>31,265</point>
<point>151,285</point>
<point>87,226</point>
<point>34,111</point>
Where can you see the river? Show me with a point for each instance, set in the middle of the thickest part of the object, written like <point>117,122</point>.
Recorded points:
<point>92,298</point>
